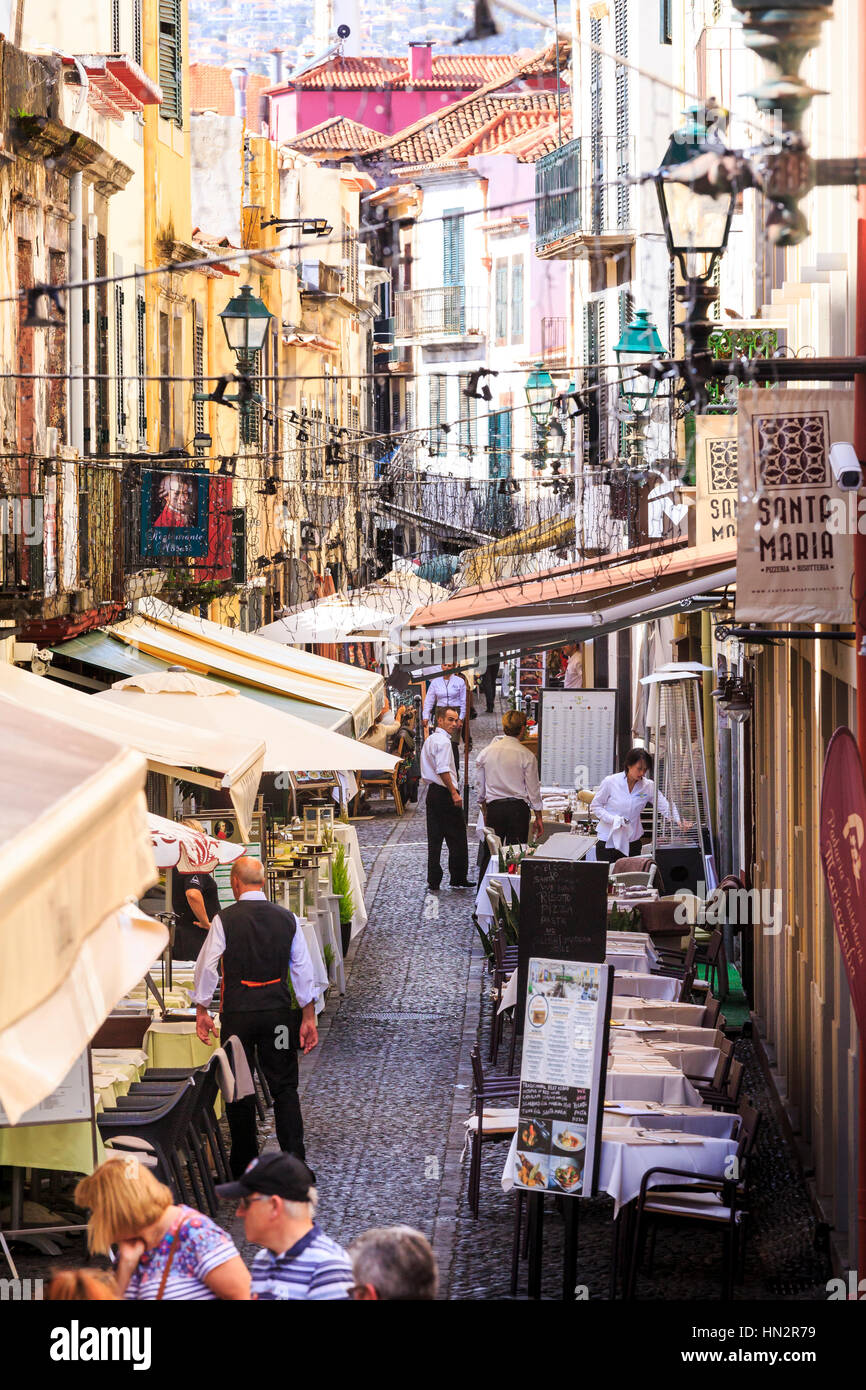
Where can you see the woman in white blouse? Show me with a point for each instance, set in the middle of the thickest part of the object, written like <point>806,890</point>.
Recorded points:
<point>617,806</point>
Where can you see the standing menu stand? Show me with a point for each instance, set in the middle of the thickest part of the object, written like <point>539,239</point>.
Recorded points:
<point>71,1103</point>
<point>578,730</point>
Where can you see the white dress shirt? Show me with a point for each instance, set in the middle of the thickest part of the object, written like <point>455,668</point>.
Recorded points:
<point>445,692</point>
<point>618,809</point>
<point>508,769</point>
<point>437,756</point>
<point>574,672</point>
<point>206,975</point>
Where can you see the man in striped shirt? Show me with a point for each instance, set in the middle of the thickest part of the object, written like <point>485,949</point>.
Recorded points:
<point>277,1200</point>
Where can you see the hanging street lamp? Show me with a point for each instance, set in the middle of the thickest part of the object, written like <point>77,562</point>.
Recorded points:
<point>640,343</point>
<point>696,225</point>
<point>245,321</point>
<point>540,394</point>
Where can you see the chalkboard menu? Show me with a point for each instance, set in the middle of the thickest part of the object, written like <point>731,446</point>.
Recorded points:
<point>563,913</point>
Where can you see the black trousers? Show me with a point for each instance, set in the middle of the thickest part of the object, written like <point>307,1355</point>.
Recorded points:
<point>275,1035</point>
<point>445,822</point>
<point>613,856</point>
<point>488,686</point>
<point>509,819</point>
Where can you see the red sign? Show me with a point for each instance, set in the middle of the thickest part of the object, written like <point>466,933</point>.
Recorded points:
<point>843,855</point>
<point>217,564</point>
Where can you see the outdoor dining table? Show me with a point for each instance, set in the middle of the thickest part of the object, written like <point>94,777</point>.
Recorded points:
<point>640,1009</point>
<point>637,982</point>
<point>628,1153</point>
<point>693,1060</point>
<point>658,1081</point>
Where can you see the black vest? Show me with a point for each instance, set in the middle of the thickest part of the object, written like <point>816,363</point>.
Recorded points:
<point>259,938</point>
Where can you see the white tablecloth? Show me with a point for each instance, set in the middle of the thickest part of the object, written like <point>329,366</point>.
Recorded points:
<point>693,1119</point>
<point>483,906</point>
<point>625,1161</point>
<point>657,1011</point>
<point>642,1082</point>
<point>347,836</point>
<point>634,982</point>
<point>691,1060</point>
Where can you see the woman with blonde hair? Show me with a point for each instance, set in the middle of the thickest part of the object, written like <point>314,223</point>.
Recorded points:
<point>165,1251</point>
<point>82,1286</point>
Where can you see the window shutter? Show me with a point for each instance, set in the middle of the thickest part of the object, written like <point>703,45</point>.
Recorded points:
<point>596,139</point>
<point>136,31</point>
<point>468,413</point>
<point>120,404</point>
<point>437,384</point>
<point>453,247</point>
<point>198,376</point>
<point>666,22</point>
<point>517,300</point>
<point>501,325</point>
<point>170,67</point>
<point>115,26</point>
<point>141,366</point>
<point>623,160</point>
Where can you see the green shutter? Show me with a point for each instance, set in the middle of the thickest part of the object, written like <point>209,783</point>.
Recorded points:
<point>501,325</point>
<point>170,60</point>
<point>517,301</point>
<point>453,248</point>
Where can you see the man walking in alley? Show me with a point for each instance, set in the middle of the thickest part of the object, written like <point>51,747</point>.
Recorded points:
<point>447,689</point>
<point>260,945</point>
<point>444,804</point>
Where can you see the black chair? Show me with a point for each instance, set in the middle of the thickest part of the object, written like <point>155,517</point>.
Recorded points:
<point>504,962</point>
<point>494,1089</point>
<point>160,1126</point>
<point>722,1203</point>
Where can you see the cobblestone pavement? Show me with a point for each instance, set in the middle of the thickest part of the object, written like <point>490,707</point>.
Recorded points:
<point>385,1093</point>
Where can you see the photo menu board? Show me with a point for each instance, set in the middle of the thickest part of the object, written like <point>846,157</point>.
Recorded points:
<point>563,912</point>
<point>562,1076</point>
<point>578,730</point>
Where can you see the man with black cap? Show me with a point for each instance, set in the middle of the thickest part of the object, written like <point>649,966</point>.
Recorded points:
<point>261,945</point>
<point>277,1201</point>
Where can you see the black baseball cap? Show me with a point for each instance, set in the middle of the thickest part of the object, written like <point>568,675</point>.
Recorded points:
<point>273,1175</point>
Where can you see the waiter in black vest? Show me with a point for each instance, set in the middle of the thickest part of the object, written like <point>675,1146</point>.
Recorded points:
<point>261,945</point>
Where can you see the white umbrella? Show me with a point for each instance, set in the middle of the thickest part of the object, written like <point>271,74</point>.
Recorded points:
<point>291,744</point>
<point>178,846</point>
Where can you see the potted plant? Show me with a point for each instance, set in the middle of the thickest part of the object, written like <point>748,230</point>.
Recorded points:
<point>343,890</point>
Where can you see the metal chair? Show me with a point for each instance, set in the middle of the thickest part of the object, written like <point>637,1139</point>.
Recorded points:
<point>487,1088</point>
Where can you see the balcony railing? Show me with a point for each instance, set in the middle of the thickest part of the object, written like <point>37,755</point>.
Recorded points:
<point>449,311</point>
<point>581,189</point>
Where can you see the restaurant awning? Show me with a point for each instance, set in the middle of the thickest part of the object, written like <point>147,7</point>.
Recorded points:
<point>333,619</point>
<point>176,750</point>
<point>580,602</point>
<point>291,745</point>
<point>74,845</point>
<point>256,662</point>
<point>106,655</point>
<point>249,644</point>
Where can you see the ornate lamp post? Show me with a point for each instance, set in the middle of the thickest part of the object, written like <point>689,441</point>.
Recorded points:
<point>245,321</point>
<point>640,343</point>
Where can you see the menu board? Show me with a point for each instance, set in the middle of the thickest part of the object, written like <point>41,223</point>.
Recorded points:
<point>578,733</point>
<point>563,912</point>
<point>562,1076</point>
<point>72,1100</point>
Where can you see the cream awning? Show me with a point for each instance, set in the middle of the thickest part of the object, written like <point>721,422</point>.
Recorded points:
<point>234,763</point>
<point>485,564</point>
<point>291,745</point>
<point>74,845</point>
<point>366,689</point>
<point>37,1052</point>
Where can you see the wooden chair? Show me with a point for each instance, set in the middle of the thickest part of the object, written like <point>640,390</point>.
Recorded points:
<point>504,963</point>
<point>386,782</point>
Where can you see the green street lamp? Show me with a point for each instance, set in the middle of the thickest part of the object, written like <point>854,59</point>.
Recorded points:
<point>540,394</point>
<point>640,342</point>
<point>245,321</point>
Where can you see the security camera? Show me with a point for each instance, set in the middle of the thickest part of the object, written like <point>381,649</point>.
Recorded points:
<point>343,31</point>
<point>847,472</point>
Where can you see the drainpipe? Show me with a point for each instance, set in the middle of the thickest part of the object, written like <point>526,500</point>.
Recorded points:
<point>75,429</point>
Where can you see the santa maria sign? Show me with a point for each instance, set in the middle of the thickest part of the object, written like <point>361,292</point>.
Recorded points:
<point>794,545</point>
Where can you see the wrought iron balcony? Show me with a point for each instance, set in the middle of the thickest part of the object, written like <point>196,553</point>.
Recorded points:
<point>554,341</point>
<point>584,204</point>
<point>449,311</point>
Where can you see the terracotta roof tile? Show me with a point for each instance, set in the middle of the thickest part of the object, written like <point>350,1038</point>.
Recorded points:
<point>338,135</point>
<point>501,129</point>
<point>449,72</point>
<point>210,89</point>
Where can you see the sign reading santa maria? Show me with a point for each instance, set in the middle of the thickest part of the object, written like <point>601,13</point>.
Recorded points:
<point>715,479</point>
<point>794,546</point>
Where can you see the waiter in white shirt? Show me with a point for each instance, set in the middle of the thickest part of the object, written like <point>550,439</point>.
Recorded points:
<point>260,944</point>
<point>574,667</point>
<point>444,804</point>
<point>447,689</point>
<point>617,805</point>
<point>507,783</point>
